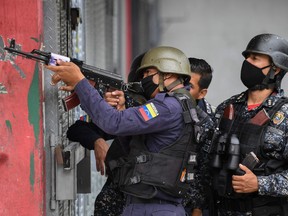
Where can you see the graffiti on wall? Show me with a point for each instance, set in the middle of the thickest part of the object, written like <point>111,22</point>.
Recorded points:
<point>9,57</point>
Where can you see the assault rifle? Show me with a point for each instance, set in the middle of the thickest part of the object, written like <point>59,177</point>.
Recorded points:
<point>101,77</point>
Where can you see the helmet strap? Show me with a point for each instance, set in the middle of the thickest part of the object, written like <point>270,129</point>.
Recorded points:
<point>173,84</point>
<point>163,88</point>
<point>269,80</point>
<point>161,82</point>
<point>270,76</point>
<point>279,78</point>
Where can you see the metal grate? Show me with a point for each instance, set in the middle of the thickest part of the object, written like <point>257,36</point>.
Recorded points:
<point>95,42</point>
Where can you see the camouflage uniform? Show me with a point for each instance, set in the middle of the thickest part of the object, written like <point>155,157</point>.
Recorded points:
<point>274,145</point>
<point>206,107</point>
<point>200,193</point>
<point>110,201</point>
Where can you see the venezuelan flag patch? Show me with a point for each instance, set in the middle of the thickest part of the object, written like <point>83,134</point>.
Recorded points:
<point>85,118</point>
<point>148,111</point>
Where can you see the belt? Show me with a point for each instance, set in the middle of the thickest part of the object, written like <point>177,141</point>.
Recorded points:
<point>137,200</point>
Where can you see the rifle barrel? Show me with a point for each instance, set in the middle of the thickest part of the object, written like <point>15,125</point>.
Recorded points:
<point>27,55</point>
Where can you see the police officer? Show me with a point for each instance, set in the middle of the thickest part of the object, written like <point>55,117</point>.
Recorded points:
<point>162,158</point>
<point>201,77</point>
<point>253,132</point>
<point>110,201</point>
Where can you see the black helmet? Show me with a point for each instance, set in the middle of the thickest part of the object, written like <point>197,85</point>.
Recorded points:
<point>135,87</point>
<point>136,63</point>
<point>272,45</point>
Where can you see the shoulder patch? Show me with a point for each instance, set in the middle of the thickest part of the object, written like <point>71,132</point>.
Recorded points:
<point>278,118</point>
<point>148,111</point>
<point>85,118</point>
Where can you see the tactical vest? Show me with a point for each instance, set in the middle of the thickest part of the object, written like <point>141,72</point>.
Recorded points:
<point>251,137</point>
<point>142,173</point>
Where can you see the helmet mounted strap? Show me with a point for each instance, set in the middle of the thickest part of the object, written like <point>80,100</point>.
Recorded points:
<point>270,76</point>
<point>161,82</point>
<point>173,84</point>
<point>279,78</point>
<point>269,81</point>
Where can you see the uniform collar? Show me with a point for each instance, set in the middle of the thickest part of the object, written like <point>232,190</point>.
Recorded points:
<point>273,98</point>
<point>269,102</point>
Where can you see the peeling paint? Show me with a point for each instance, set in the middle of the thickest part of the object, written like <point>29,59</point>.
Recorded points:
<point>9,126</point>
<point>22,158</point>
<point>32,171</point>
<point>17,68</point>
<point>2,51</point>
<point>2,57</point>
<point>3,89</point>
<point>34,102</point>
<point>35,39</point>
<point>6,56</point>
<point>3,158</point>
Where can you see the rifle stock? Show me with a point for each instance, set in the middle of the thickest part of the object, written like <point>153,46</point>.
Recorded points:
<point>102,78</point>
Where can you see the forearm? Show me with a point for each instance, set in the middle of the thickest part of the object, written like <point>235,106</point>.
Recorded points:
<point>274,184</point>
<point>86,133</point>
<point>131,121</point>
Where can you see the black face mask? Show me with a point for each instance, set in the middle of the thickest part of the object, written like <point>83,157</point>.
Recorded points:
<point>148,86</point>
<point>252,76</point>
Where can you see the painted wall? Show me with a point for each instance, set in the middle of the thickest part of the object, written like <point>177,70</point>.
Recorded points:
<point>21,120</point>
<point>218,31</point>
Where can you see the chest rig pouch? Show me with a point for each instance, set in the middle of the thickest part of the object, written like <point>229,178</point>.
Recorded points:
<point>250,135</point>
<point>142,173</point>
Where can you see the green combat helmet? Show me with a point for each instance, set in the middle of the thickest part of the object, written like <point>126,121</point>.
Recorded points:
<point>166,60</point>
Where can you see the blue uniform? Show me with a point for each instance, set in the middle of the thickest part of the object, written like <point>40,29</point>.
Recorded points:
<point>163,126</point>
<point>160,119</point>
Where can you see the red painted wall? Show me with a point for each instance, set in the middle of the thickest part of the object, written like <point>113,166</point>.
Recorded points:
<point>21,120</point>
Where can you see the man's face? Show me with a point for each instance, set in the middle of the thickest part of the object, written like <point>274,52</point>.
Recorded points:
<point>195,90</point>
<point>151,72</point>
<point>260,61</point>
